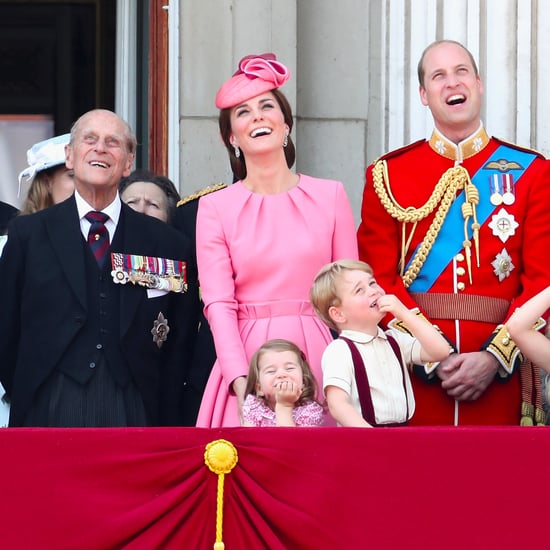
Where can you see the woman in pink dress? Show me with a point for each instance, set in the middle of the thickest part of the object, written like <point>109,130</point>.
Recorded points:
<point>262,240</point>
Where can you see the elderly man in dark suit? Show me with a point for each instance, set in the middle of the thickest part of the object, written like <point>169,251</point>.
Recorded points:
<point>97,317</point>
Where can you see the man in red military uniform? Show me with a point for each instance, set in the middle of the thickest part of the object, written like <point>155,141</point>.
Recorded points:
<point>459,226</point>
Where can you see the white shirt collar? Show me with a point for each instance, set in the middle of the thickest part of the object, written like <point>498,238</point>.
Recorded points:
<point>362,337</point>
<point>112,210</point>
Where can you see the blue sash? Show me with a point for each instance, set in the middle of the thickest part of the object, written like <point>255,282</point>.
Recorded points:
<point>450,239</point>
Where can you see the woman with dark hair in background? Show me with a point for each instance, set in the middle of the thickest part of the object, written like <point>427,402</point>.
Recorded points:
<point>150,194</point>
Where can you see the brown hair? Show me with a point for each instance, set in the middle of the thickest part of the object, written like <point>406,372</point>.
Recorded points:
<point>238,165</point>
<point>310,386</point>
<point>323,294</point>
<point>39,195</point>
<point>420,68</point>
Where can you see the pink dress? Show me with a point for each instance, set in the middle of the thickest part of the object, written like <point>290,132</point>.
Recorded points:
<point>257,256</point>
<point>257,413</point>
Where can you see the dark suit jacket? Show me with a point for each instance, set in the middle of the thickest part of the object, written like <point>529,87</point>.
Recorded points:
<point>43,297</point>
<point>204,354</point>
<point>7,212</point>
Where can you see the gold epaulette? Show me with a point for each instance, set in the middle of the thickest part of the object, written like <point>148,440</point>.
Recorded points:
<point>519,147</point>
<point>201,193</point>
<point>400,150</point>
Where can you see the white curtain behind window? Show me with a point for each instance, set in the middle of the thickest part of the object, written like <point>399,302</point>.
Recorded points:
<point>17,135</point>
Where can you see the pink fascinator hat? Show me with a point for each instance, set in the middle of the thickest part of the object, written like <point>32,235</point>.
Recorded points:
<point>256,74</point>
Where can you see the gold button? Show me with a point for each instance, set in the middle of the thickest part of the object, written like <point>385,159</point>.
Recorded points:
<point>459,257</point>
<point>460,271</point>
<point>461,286</point>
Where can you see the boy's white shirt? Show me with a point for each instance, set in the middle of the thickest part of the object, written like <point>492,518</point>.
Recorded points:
<point>383,370</point>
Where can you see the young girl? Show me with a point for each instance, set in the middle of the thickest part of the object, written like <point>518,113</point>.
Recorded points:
<point>280,388</point>
<point>523,326</point>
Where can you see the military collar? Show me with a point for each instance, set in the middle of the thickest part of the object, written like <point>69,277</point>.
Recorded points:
<point>461,151</point>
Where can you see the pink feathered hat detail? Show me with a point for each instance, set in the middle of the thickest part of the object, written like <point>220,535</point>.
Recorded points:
<point>256,74</point>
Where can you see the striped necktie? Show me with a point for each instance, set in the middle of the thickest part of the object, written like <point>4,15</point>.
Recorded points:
<point>98,236</point>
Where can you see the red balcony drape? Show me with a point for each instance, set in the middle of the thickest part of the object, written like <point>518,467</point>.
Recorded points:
<point>293,488</point>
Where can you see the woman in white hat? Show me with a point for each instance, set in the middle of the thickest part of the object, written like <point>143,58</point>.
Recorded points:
<point>50,180</point>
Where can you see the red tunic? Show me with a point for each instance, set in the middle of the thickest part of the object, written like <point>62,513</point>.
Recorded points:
<point>413,173</point>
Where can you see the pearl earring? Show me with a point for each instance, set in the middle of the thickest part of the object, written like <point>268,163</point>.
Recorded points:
<point>237,151</point>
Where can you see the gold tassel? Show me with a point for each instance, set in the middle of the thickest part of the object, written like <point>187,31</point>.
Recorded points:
<point>532,413</point>
<point>527,413</point>
<point>540,417</point>
<point>472,197</point>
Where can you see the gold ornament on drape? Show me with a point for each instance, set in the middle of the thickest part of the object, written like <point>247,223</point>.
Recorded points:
<point>221,457</point>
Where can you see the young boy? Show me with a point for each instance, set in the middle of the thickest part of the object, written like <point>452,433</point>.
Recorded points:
<point>365,378</point>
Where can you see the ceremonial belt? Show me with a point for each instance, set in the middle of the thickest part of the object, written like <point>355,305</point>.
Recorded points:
<point>462,307</point>
<point>450,241</point>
